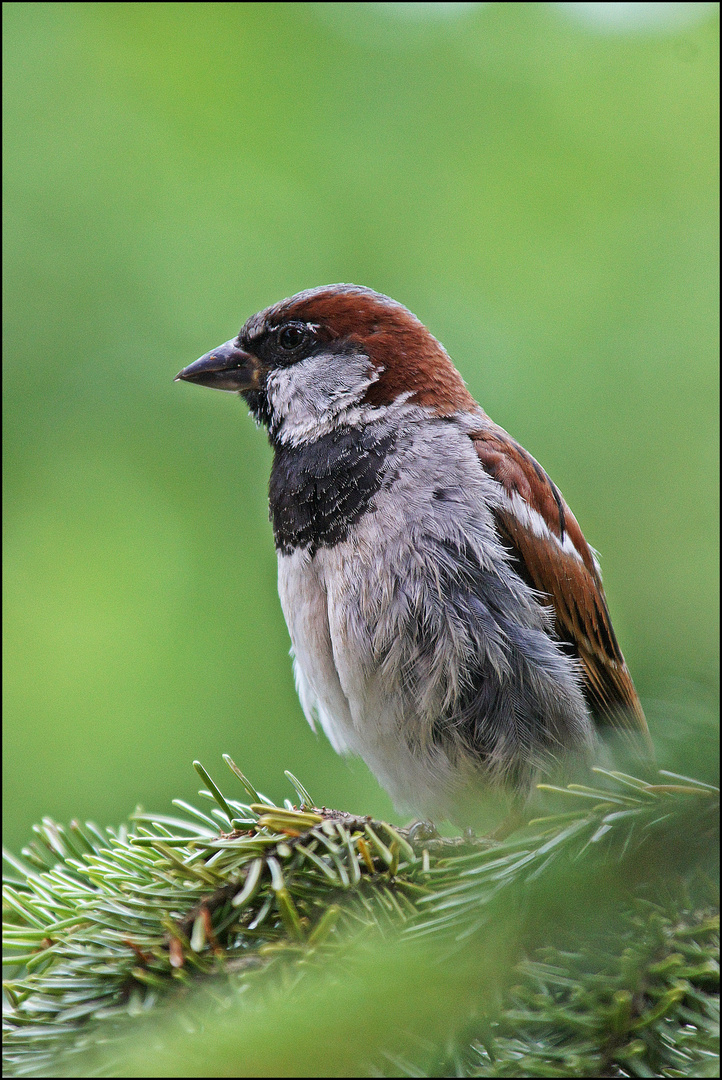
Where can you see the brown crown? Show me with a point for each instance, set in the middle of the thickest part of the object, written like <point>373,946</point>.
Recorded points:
<point>406,356</point>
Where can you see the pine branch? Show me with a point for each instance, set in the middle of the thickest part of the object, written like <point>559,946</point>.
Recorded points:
<point>107,928</point>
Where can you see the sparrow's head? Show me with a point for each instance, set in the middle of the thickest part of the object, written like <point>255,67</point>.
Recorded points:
<point>332,356</point>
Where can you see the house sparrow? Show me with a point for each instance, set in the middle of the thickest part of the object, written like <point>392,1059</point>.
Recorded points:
<point>447,616</point>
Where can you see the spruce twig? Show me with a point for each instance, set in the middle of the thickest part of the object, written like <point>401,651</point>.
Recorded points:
<point>104,925</point>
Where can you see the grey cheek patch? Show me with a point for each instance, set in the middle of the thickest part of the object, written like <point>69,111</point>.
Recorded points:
<point>307,399</point>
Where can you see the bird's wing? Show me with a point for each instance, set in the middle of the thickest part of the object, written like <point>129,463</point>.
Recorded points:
<point>552,556</point>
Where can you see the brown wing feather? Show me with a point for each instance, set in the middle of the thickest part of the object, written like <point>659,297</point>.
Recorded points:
<point>560,564</point>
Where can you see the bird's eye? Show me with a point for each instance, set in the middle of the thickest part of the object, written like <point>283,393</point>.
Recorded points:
<point>290,337</point>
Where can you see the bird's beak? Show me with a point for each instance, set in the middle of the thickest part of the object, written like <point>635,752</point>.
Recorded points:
<point>226,368</point>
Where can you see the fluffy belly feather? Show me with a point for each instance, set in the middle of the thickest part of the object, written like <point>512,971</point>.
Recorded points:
<point>402,647</point>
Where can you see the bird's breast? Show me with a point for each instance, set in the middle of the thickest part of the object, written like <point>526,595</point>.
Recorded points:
<point>319,490</point>
<point>357,516</point>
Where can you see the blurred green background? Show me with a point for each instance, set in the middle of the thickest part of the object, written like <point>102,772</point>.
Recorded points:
<point>536,181</point>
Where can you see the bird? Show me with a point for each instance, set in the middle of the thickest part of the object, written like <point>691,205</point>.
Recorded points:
<point>447,617</point>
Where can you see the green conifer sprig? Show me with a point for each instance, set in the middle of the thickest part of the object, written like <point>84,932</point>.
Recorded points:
<point>104,925</point>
